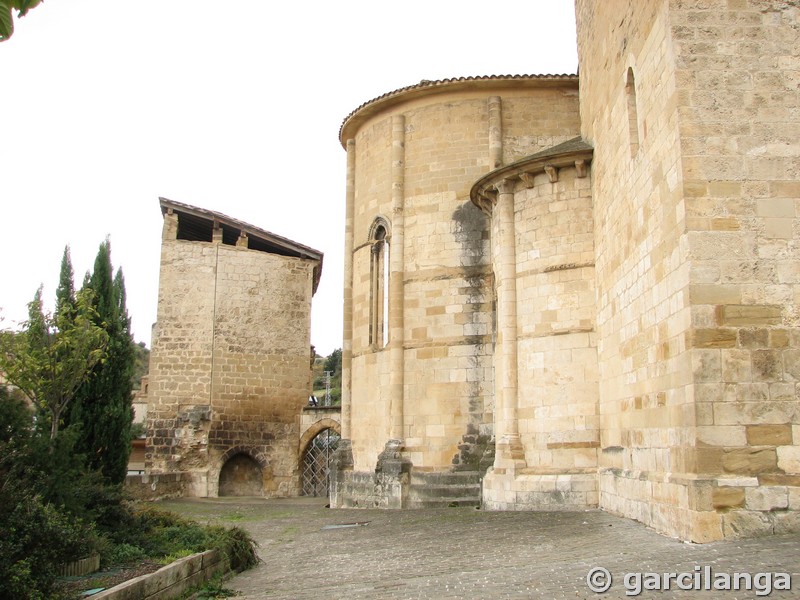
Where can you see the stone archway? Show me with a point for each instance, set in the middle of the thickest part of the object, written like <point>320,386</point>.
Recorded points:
<point>318,444</point>
<point>313,430</point>
<point>241,475</point>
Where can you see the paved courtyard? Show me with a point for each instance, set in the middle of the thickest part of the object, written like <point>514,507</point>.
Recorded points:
<point>309,551</point>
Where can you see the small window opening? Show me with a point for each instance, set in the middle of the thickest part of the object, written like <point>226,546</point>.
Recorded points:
<point>633,118</point>
<point>379,286</point>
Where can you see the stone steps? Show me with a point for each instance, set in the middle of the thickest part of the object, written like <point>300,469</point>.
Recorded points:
<point>442,490</point>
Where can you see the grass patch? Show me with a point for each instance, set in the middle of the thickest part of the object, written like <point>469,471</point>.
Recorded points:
<point>163,536</point>
<point>235,517</point>
<point>213,590</point>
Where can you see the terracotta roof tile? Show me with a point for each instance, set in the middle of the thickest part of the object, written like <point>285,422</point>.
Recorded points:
<point>425,83</point>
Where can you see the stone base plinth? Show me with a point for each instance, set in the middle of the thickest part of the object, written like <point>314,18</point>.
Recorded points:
<point>672,504</point>
<point>504,490</point>
<point>386,487</point>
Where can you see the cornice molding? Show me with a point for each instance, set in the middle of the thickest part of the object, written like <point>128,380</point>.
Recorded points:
<point>575,154</point>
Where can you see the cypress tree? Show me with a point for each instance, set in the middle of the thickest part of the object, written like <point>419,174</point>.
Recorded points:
<point>65,293</point>
<point>102,405</point>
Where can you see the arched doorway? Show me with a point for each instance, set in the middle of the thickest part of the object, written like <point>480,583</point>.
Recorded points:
<point>241,475</point>
<point>317,463</point>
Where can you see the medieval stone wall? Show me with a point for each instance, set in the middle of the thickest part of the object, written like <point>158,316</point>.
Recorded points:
<point>414,162</point>
<point>643,314</point>
<point>545,360</point>
<point>621,319</point>
<point>690,108</point>
<point>229,370</point>
<point>738,73</point>
<point>557,365</point>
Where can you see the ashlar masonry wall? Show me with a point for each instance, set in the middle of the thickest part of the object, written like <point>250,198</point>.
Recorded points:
<point>692,109</point>
<point>230,364</point>
<point>423,393</point>
<point>738,72</point>
<point>647,414</point>
<point>545,359</point>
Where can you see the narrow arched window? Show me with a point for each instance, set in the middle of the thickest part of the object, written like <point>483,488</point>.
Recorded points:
<point>379,285</point>
<point>633,117</point>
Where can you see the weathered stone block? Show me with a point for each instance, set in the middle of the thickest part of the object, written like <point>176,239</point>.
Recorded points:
<point>775,207</point>
<point>727,497</point>
<point>769,435</point>
<point>786,522</point>
<point>767,365</point>
<point>718,435</point>
<point>714,338</point>
<point>791,364</point>
<point>742,523</point>
<point>767,498</point>
<point>772,479</point>
<point>750,315</point>
<point>704,527</point>
<point>753,338</point>
<point>789,459</point>
<point>737,481</point>
<point>708,460</point>
<point>749,461</point>
<point>794,498</point>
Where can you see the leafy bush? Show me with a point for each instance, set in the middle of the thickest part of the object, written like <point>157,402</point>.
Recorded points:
<point>40,526</point>
<point>160,535</point>
<point>54,510</point>
<point>35,539</point>
<point>125,554</point>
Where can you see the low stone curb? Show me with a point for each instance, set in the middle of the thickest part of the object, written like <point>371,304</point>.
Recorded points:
<point>170,581</point>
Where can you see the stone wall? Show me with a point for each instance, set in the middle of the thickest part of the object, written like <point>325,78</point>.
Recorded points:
<point>643,313</point>
<point>415,157</point>
<point>230,364</point>
<point>149,488</point>
<point>621,320</point>
<point>545,358</point>
<point>693,119</point>
<point>738,71</point>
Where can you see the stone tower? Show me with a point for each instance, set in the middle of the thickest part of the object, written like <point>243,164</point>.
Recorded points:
<point>230,363</point>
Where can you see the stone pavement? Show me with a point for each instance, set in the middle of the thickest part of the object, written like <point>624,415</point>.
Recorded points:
<point>468,553</point>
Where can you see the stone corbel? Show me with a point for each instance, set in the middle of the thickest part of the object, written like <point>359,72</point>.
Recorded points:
<point>485,204</point>
<point>486,199</point>
<point>527,179</point>
<point>580,168</point>
<point>552,173</point>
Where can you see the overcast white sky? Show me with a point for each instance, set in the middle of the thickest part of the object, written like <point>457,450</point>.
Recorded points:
<point>233,107</point>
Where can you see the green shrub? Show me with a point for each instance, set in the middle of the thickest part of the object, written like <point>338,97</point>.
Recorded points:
<point>171,558</point>
<point>43,522</point>
<point>125,554</point>
<point>55,510</point>
<point>35,539</point>
<point>162,534</point>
